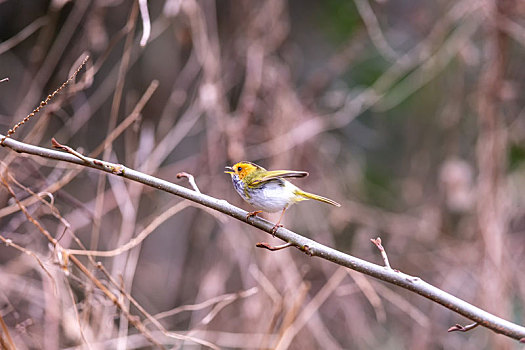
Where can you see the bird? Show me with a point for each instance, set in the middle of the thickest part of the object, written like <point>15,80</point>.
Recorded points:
<point>268,190</point>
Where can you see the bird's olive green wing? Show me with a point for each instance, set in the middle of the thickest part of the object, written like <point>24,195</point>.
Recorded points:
<point>276,174</point>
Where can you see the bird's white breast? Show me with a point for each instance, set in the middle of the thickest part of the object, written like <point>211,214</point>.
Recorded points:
<point>271,196</point>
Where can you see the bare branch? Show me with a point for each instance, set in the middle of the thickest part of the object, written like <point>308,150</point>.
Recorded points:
<point>304,244</point>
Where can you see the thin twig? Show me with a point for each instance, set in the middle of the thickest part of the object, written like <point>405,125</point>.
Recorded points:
<point>459,328</point>
<point>377,242</point>
<point>207,303</point>
<point>8,344</point>
<point>139,238</point>
<point>273,248</point>
<point>43,103</point>
<point>95,163</point>
<point>68,149</point>
<point>191,180</point>
<point>227,300</point>
<point>146,24</point>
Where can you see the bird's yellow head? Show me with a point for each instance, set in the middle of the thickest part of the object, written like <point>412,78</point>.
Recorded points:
<point>243,169</point>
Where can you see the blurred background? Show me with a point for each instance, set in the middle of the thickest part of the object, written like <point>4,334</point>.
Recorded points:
<point>410,114</point>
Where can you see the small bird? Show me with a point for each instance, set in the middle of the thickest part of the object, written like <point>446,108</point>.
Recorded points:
<point>268,190</point>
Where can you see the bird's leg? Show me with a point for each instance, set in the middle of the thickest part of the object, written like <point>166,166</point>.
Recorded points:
<point>253,213</point>
<point>278,224</point>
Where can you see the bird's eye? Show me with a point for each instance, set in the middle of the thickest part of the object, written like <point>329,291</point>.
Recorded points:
<point>239,168</point>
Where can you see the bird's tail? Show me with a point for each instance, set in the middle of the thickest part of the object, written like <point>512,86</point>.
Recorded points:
<point>307,195</point>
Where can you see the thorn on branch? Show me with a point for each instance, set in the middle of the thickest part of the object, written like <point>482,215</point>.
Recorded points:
<point>191,180</point>
<point>460,328</point>
<point>379,246</point>
<point>273,248</point>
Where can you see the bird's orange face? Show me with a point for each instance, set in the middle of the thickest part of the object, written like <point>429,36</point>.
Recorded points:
<point>242,169</point>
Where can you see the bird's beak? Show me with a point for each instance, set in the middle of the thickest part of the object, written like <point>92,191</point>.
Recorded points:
<point>229,170</point>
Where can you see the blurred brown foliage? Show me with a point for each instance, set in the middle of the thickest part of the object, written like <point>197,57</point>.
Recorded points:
<point>410,114</point>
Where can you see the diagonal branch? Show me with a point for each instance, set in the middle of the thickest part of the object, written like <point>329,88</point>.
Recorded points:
<point>304,244</point>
